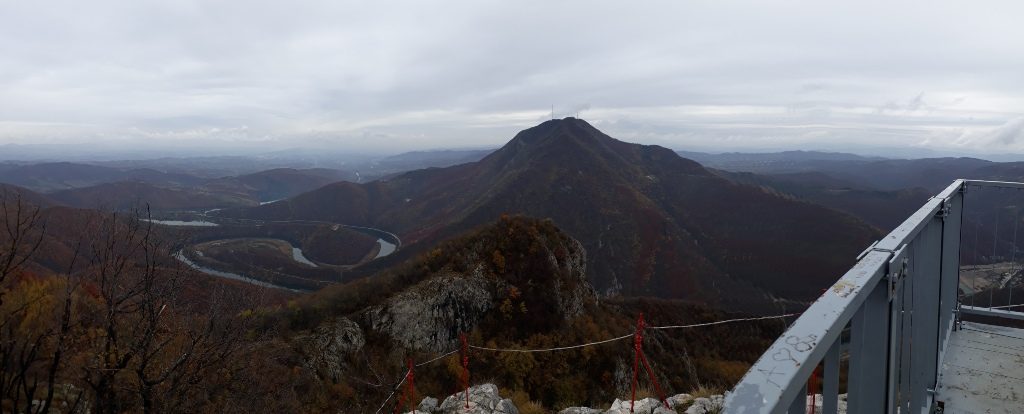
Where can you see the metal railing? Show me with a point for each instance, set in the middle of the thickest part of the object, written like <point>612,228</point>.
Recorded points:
<point>900,305</point>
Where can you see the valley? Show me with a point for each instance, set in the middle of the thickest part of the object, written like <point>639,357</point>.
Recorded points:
<point>247,250</point>
<point>504,207</point>
<point>562,236</point>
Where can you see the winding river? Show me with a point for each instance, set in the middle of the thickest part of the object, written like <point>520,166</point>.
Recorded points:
<point>227,275</point>
<point>385,248</point>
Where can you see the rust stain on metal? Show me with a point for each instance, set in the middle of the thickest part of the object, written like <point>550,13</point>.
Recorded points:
<point>843,288</point>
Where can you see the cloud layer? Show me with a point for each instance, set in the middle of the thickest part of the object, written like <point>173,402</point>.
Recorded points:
<point>413,74</point>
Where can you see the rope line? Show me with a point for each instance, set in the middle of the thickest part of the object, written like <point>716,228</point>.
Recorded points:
<point>560,348</point>
<point>436,359</point>
<point>565,348</point>
<point>406,375</point>
<point>697,325</point>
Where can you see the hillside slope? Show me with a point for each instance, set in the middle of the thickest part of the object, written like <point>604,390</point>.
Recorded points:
<point>516,283</point>
<point>128,195</point>
<point>655,224</point>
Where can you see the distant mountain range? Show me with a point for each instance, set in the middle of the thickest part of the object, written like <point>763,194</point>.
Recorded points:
<point>212,182</point>
<point>652,222</point>
<point>871,173</point>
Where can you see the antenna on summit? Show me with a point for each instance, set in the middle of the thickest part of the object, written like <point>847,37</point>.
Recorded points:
<point>552,112</point>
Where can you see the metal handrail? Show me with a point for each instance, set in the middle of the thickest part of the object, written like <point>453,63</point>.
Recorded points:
<point>885,309</point>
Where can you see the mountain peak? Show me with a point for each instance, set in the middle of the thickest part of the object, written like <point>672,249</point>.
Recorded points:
<point>556,136</point>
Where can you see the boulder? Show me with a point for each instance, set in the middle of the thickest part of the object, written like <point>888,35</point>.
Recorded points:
<point>483,399</point>
<point>580,410</point>
<point>428,405</point>
<point>709,405</point>
<point>644,406</point>
<point>679,400</point>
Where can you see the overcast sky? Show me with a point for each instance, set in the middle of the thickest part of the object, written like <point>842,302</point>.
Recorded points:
<point>376,75</point>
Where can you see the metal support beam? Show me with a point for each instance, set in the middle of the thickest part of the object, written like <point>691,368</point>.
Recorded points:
<point>799,405</point>
<point>993,184</point>
<point>869,364</point>
<point>780,374</point>
<point>997,313</point>
<point>900,301</point>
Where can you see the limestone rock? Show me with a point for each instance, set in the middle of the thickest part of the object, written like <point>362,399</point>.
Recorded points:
<point>706,405</point>
<point>326,346</point>
<point>430,315</point>
<point>646,405</point>
<point>483,399</point>
<point>580,410</point>
<point>428,405</point>
<point>679,400</point>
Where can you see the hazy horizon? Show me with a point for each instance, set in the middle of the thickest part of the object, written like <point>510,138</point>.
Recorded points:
<point>245,78</point>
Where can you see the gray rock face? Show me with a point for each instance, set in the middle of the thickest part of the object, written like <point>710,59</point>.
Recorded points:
<point>706,405</point>
<point>571,302</point>
<point>325,347</point>
<point>580,410</point>
<point>679,400</point>
<point>483,399</point>
<point>427,405</point>
<point>644,406</point>
<point>430,315</point>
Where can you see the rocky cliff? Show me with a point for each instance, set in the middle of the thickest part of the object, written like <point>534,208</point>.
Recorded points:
<point>518,270</point>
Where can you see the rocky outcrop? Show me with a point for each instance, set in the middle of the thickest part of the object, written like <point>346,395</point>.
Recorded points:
<point>430,316</point>
<point>547,271</point>
<point>573,300</point>
<point>325,347</point>
<point>644,406</point>
<point>483,399</point>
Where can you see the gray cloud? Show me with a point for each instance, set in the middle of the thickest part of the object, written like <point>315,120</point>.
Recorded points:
<point>711,75</point>
<point>1008,134</point>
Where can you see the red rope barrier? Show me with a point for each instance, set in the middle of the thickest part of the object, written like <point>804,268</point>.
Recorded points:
<point>639,356</point>
<point>650,374</point>
<point>812,387</point>
<point>410,389</point>
<point>638,339</point>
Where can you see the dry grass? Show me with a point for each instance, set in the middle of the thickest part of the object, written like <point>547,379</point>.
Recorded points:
<point>524,403</point>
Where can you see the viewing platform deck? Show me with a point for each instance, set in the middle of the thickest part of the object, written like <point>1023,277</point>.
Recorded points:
<point>983,370</point>
<point>897,332</point>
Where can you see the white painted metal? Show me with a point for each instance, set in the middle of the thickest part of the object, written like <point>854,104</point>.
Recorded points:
<point>900,300</point>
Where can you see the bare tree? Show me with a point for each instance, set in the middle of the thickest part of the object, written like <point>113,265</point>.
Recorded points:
<point>116,323</point>
<point>31,354</point>
<point>23,228</point>
<point>153,341</point>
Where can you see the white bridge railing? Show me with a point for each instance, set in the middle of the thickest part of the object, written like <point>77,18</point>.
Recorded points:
<point>900,304</point>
